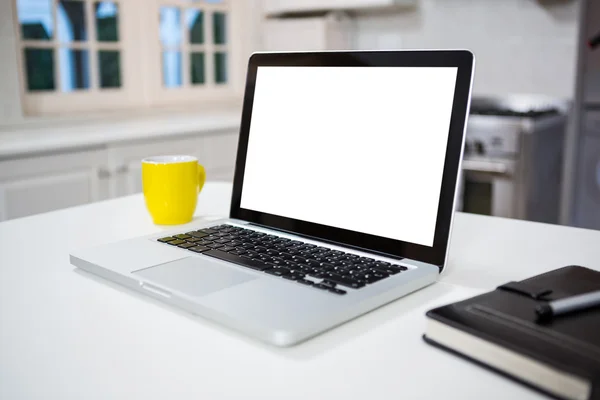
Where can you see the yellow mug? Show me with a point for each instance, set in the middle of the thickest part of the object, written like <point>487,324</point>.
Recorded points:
<point>171,186</point>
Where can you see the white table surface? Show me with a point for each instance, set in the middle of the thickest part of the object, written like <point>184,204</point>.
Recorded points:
<point>65,334</point>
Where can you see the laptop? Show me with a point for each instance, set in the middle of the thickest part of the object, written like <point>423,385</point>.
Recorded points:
<point>343,196</point>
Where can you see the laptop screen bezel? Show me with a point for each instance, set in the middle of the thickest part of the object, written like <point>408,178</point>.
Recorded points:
<point>436,254</point>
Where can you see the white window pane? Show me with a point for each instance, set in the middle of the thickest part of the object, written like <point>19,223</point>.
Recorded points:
<point>35,19</point>
<point>194,23</point>
<point>71,24</point>
<point>39,67</point>
<point>170,26</point>
<point>220,67</point>
<point>197,68</point>
<point>107,21</point>
<point>171,61</point>
<point>74,69</point>
<point>109,67</point>
<point>219,28</point>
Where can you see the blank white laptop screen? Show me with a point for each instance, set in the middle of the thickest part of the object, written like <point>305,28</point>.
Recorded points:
<point>358,148</point>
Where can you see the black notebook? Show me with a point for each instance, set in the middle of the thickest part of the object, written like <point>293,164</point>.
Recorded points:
<point>499,330</point>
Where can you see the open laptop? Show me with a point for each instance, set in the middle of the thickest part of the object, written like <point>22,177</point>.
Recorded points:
<point>342,201</point>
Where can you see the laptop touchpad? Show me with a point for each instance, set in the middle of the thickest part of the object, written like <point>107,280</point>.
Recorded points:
<point>194,276</point>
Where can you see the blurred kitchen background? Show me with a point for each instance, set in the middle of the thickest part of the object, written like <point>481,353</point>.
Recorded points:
<point>89,87</point>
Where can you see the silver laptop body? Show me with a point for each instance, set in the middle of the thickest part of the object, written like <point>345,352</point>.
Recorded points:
<point>347,159</point>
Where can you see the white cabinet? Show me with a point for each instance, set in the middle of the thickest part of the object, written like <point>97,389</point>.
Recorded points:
<point>215,151</point>
<point>330,32</point>
<point>218,154</point>
<point>278,7</point>
<point>125,160</point>
<point>45,183</point>
<point>40,183</point>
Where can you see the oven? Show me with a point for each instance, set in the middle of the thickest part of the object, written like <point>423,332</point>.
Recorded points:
<point>512,160</point>
<point>488,187</point>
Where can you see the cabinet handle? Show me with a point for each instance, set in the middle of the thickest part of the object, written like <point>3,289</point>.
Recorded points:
<point>103,173</point>
<point>123,169</point>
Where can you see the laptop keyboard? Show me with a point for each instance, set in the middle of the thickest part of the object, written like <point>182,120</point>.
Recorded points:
<point>305,263</point>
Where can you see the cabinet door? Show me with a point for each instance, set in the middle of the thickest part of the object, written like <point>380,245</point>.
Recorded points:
<point>215,151</point>
<point>591,57</point>
<point>587,193</point>
<point>218,155</point>
<point>41,184</point>
<point>274,7</point>
<point>125,161</point>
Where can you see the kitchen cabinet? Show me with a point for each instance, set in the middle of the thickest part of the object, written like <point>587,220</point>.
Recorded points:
<point>34,183</point>
<point>587,194</point>
<point>278,7</point>
<point>39,184</point>
<point>329,32</point>
<point>216,152</point>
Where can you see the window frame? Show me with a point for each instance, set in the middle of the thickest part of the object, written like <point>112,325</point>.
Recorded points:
<point>162,96</point>
<point>140,62</point>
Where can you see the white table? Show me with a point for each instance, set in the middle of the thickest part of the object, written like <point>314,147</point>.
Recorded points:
<point>65,334</point>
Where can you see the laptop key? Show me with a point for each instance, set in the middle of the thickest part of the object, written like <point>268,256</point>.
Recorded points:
<point>390,269</point>
<point>278,261</point>
<point>378,273</point>
<point>321,286</point>
<point>221,255</point>
<point>208,231</point>
<point>182,236</point>
<point>197,234</point>
<point>328,283</point>
<point>285,256</point>
<point>355,284</point>
<point>186,245</point>
<point>176,242</point>
<point>166,239</point>
<point>274,271</point>
<point>199,249</point>
<point>368,278</point>
<point>337,291</point>
<point>382,264</point>
<point>305,282</point>
<point>214,245</point>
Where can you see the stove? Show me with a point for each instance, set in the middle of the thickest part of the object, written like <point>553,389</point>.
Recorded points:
<point>513,158</point>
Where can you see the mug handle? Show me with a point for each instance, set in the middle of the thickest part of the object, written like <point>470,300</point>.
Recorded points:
<point>201,177</point>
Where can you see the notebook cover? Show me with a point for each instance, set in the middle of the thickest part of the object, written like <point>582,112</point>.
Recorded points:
<point>506,317</point>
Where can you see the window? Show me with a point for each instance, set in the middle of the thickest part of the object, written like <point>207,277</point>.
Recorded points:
<point>182,33</point>
<point>88,55</point>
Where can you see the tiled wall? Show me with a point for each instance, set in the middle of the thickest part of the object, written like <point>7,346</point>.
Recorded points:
<point>521,46</point>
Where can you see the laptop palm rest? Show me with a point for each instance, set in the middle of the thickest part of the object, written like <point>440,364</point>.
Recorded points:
<point>194,276</point>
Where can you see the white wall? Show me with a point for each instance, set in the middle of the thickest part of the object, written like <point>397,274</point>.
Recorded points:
<point>10,101</point>
<point>521,46</point>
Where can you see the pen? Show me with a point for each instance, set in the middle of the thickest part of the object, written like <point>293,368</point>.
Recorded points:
<point>568,305</point>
